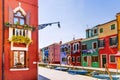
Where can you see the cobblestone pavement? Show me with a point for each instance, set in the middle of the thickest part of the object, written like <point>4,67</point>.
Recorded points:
<point>51,74</point>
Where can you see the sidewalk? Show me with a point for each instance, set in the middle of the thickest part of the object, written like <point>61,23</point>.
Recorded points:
<point>51,74</point>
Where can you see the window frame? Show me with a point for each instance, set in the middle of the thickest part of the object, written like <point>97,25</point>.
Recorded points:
<point>19,18</point>
<point>85,47</point>
<point>95,31</point>
<point>112,27</point>
<point>113,41</point>
<point>78,58</point>
<point>93,45</point>
<point>110,59</point>
<point>12,61</point>
<point>73,59</point>
<point>101,43</point>
<point>94,58</point>
<point>101,30</point>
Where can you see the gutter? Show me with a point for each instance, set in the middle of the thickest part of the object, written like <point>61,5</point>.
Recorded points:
<point>2,39</point>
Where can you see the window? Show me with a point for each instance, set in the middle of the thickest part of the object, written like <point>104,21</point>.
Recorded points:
<point>112,26</point>
<point>73,59</point>
<point>19,18</point>
<point>94,45</point>
<point>64,59</point>
<point>95,31</point>
<point>94,58</point>
<point>79,59</point>
<point>69,48</point>
<point>62,49</point>
<point>77,46</point>
<point>112,58</point>
<point>84,47</point>
<point>85,58</point>
<point>113,41</point>
<point>101,43</point>
<point>101,30</point>
<point>19,59</point>
<point>66,49</point>
<point>74,47</point>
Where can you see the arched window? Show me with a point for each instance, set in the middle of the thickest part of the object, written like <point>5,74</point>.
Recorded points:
<point>19,17</point>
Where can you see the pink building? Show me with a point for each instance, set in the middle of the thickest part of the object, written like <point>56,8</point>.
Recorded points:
<point>54,53</point>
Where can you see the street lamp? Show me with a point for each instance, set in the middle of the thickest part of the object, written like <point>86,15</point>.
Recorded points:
<point>41,26</point>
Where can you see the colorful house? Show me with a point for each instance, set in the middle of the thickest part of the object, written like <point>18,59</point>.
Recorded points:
<point>108,43</point>
<point>71,53</point>
<point>54,53</point>
<point>63,53</point>
<point>90,48</point>
<point>45,55</point>
<point>20,40</point>
<point>75,48</point>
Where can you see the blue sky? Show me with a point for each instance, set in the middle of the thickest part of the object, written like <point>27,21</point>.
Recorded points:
<point>75,17</point>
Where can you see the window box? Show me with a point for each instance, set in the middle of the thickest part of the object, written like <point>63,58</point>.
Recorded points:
<point>25,26</point>
<point>21,39</point>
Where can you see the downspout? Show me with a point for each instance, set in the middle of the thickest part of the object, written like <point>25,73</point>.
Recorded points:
<point>118,29</point>
<point>118,32</point>
<point>2,39</point>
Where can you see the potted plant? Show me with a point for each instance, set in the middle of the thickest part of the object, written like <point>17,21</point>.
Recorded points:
<point>19,65</point>
<point>7,24</point>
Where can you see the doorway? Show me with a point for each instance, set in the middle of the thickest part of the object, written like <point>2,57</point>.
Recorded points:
<point>104,60</point>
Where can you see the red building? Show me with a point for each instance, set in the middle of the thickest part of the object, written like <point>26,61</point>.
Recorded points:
<point>20,40</point>
<point>75,52</point>
<point>108,44</point>
<point>54,53</point>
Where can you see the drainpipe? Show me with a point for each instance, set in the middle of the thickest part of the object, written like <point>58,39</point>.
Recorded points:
<point>118,29</point>
<point>2,39</point>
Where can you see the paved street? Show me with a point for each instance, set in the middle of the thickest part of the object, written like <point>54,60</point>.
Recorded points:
<point>50,74</point>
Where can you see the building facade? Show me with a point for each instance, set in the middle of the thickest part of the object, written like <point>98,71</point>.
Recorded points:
<point>75,52</point>
<point>54,53</point>
<point>108,42</point>
<point>20,40</point>
<point>90,55</point>
<point>63,54</point>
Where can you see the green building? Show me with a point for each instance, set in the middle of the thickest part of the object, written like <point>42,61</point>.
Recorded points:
<point>90,48</point>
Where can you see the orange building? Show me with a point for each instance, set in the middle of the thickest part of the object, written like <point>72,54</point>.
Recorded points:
<point>20,40</point>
